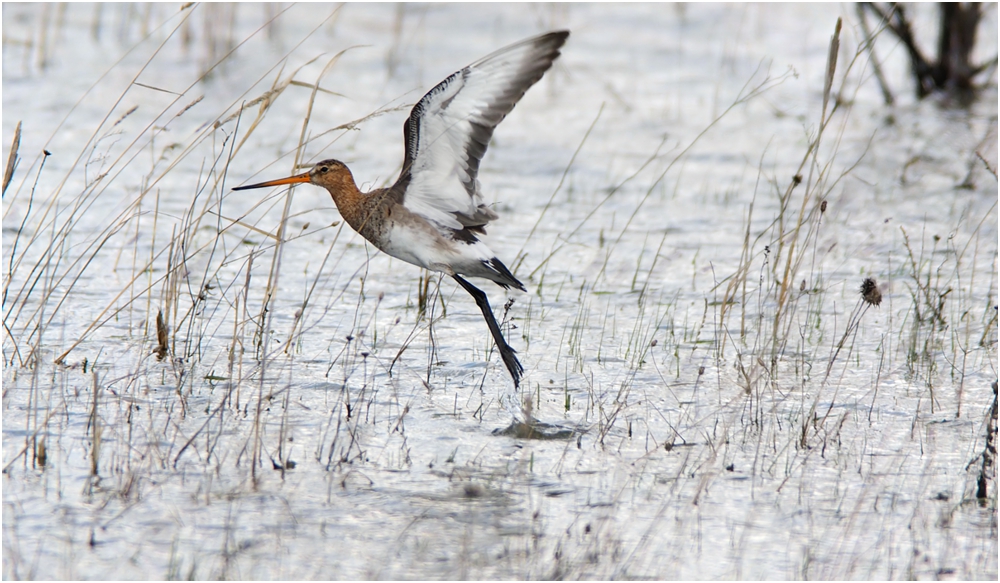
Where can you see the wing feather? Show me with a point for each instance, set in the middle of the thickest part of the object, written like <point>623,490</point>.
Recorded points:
<point>450,128</point>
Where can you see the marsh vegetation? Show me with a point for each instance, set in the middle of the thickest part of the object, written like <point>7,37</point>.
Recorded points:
<point>760,332</point>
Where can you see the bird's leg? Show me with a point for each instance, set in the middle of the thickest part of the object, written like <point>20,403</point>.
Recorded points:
<point>506,352</point>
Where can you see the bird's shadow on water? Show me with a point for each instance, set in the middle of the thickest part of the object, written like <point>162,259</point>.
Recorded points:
<point>535,429</point>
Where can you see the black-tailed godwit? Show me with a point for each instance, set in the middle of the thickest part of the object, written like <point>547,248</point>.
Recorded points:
<point>434,214</point>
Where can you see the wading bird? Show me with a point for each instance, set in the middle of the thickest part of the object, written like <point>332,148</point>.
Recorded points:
<point>434,214</point>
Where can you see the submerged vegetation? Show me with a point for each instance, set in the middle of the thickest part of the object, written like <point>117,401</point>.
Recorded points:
<point>760,336</point>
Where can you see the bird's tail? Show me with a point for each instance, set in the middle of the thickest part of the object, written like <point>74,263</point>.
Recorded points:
<point>500,275</point>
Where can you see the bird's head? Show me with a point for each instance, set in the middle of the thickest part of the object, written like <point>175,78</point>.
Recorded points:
<point>328,174</point>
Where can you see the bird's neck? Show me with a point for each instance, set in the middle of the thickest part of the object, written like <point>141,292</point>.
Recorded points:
<point>355,206</point>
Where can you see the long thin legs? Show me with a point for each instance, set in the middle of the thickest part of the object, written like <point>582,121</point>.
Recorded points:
<point>506,352</point>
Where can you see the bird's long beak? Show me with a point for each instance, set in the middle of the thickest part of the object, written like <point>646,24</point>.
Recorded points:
<point>304,177</point>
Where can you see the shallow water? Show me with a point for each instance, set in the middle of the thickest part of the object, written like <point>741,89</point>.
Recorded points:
<point>342,434</point>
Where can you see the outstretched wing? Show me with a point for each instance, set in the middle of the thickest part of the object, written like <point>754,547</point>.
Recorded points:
<point>449,129</point>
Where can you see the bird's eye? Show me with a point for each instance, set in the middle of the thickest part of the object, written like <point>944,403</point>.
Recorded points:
<point>323,169</point>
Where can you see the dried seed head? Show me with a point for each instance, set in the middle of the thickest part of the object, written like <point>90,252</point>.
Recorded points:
<point>822,207</point>
<point>41,456</point>
<point>162,339</point>
<point>802,286</point>
<point>870,291</point>
<point>653,342</point>
<point>797,179</point>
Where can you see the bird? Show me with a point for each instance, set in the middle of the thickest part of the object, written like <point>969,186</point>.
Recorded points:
<point>433,215</point>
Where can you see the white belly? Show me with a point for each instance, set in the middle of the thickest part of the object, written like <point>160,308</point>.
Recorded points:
<point>421,244</point>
